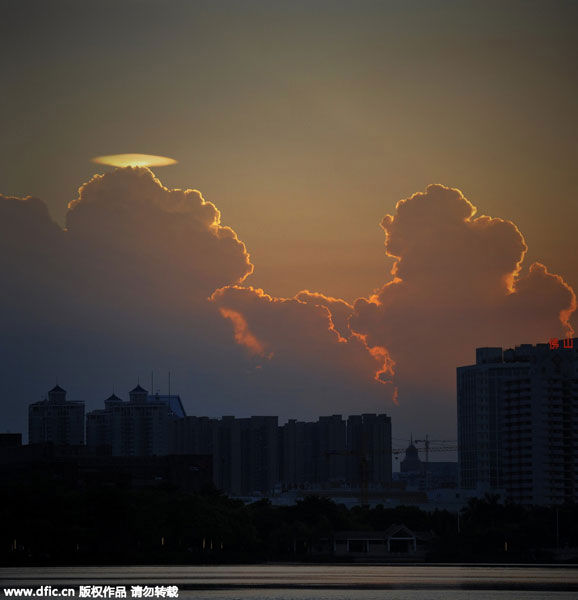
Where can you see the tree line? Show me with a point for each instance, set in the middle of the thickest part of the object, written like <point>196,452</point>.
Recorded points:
<point>45,523</point>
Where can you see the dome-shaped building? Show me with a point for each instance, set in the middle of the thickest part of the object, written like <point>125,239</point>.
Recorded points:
<point>412,462</point>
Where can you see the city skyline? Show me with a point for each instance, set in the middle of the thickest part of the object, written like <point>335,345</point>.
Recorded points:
<point>516,430</point>
<point>254,269</point>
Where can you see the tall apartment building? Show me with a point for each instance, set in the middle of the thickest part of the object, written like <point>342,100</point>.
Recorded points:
<point>331,449</point>
<point>245,451</point>
<point>254,455</point>
<point>56,419</point>
<point>139,427</point>
<point>518,422</point>
<point>259,454</point>
<point>369,450</point>
<point>298,454</point>
<point>193,435</point>
<point>249,455</point>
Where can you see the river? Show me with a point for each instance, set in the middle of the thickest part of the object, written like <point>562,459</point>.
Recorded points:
<point>316,582</point>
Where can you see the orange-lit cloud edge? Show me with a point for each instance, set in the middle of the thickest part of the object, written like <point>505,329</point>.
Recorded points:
<point>385,373</point>
<point>321,331</point>
<point>214,225</point>
<point>509,279</point>
<point>243,335</point>
<point>247,338</point>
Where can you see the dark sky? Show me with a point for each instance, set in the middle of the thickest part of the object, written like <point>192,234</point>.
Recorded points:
<point>304,123</point>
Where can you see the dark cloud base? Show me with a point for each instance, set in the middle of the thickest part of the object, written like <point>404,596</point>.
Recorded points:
<point>145,279</point>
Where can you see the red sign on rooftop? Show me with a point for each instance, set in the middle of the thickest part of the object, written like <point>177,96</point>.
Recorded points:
<point>567,343</point>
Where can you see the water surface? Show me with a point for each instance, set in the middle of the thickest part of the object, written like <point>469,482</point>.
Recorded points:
<point>321,582</point>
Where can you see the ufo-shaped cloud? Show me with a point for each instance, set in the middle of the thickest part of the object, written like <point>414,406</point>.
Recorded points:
<point>134,160</point>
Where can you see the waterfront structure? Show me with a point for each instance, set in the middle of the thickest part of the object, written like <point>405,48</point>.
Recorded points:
<point>56,419</point>
<point>518,422</point>
<point>139,427</point>
<point>397,542</point>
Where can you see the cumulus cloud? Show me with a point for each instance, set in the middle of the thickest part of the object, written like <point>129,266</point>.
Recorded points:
<point>147,278</point>
<point>121,291</point>
<point>297,339</point>
<point>458,283</point>
<point>125,289</point>
<point>28,237</point>
<point>126,224</point>
<point>31,261</point>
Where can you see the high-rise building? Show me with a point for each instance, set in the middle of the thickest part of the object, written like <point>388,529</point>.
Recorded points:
<point>295,454</point>
<point>518,422</point>
<point>193,435</point>
<point>245,451</point>
<point>369,450</point>
<point>227,455</point>
<point>333,452</point>
<point>259,454</point>
<point>139,427</point>
<point>56,419</point>
<point>331,449</point>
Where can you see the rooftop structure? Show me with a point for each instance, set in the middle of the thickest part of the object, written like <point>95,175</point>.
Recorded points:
<point>56,419</point>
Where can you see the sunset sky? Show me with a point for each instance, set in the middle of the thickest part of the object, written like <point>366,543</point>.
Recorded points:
<point>304,123</point>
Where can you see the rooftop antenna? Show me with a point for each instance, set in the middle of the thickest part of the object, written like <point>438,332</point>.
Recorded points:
<point>169,383</point>
<point>152,382</point>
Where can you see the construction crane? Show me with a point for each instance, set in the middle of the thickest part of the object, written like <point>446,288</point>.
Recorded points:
<point>363,461</point>
<point>450,447</point>
<point>427,442</point>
